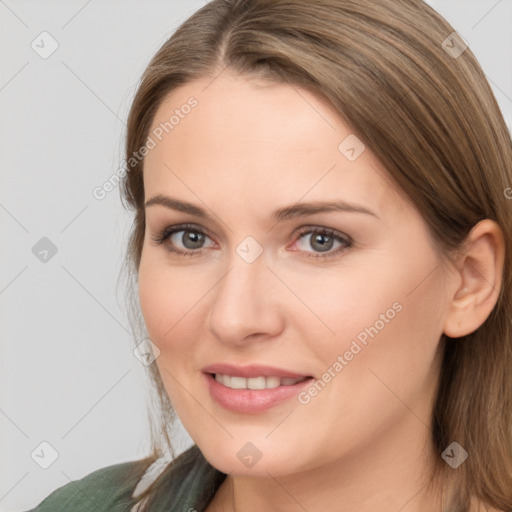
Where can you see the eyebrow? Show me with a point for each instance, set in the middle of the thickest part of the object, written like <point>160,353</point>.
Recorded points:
<point>280,215</point>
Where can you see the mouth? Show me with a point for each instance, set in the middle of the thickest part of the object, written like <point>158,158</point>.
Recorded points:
<point>253,395</point>
<point>256,383</point>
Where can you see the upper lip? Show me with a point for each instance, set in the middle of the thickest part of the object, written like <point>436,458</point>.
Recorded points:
<point>252,370</point>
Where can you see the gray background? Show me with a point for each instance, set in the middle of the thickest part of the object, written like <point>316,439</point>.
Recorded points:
<point>68,376</point>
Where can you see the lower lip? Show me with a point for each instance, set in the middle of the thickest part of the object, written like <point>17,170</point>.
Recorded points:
<point>251,401</point>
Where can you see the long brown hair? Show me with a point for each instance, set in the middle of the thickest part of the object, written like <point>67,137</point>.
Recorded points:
<point>416,96</point>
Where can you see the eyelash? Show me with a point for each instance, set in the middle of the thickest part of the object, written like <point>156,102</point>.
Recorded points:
<point>165,233</point>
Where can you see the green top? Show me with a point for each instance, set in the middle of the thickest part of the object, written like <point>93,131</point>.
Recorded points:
<point>188,482</point>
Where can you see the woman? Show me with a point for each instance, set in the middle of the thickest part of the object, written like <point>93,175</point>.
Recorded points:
<point>322,246</point>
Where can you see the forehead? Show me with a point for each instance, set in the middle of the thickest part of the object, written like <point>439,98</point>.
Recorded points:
<point>266,142</point>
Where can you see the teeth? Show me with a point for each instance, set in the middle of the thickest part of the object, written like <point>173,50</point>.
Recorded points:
<point>255,382</point>
<point>288,381</point>
<point>270,382</point>
<point>238,383</point>
<point>260,382</point>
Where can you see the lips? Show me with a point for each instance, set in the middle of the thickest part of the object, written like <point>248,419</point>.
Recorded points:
<point>252,371</point>
<point>252,397</point>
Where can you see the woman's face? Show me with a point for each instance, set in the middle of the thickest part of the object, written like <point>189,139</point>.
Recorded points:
<point>354,297</point>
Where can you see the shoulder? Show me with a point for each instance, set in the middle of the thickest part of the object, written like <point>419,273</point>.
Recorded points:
<point>107,488</point>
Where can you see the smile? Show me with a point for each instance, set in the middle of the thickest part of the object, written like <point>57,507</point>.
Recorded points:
<point>235,382</point>
<point>252,395</point>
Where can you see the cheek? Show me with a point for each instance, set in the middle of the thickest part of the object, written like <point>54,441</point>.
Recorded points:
<point>381,363</point>
<point>170,302</point>
<point>336,305</point>
<point>167,296</point>
<point>156,305</point>
<point>387,318</point>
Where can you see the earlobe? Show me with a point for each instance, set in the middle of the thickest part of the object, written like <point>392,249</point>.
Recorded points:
<point>480,271</point>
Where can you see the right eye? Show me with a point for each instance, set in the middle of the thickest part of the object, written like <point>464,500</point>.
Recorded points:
<point>188,235</point>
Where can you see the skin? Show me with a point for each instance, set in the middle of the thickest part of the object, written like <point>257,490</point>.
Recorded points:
<point>363,443</point>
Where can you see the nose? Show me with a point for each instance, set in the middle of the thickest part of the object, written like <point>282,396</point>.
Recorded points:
<point>246,305</point>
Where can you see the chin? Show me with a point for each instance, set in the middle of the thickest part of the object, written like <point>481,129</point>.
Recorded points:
<point>244,458</point>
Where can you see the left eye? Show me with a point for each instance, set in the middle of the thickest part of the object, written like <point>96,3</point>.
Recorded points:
<point>323,240</point>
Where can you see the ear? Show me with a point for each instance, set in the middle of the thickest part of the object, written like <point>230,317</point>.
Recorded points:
<point>479,271</point>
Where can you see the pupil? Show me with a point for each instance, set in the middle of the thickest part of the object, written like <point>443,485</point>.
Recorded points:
<point>194,238</point>
<point>324,246</point>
